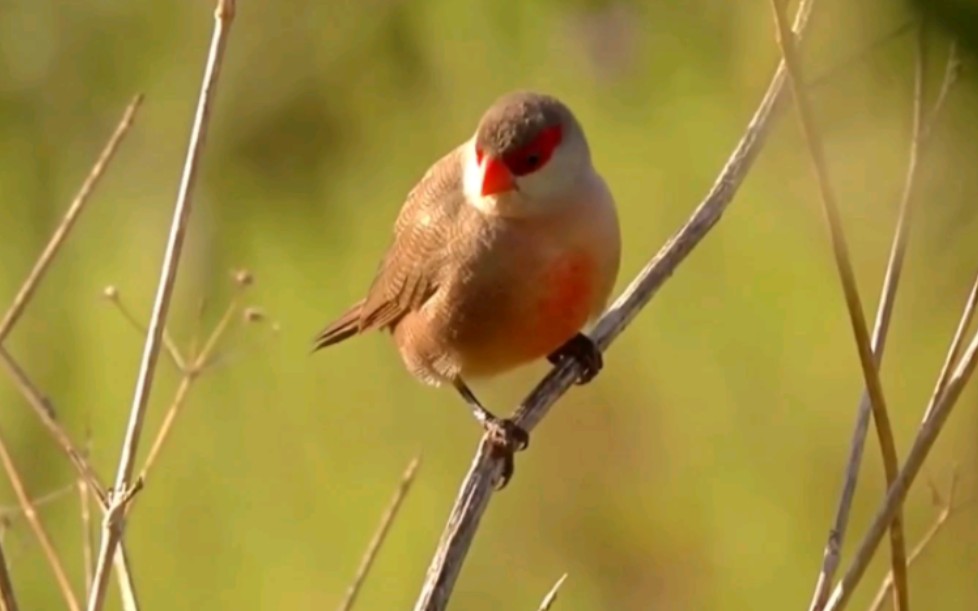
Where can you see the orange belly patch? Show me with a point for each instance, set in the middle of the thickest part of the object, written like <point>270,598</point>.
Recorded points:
<point>564,306</point>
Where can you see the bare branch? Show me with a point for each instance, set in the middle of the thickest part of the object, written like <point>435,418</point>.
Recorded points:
<point>853,302</point>
<point>42,407</point>
<point>77,205</point>
<point>894,269</point>
<point>30,514</point>
<point>8,602</point>
<point>190,375</point>
<point>114,524</point>
<point>111,293</point>
<point>945,512</point>
<point>938,410</point>
<point>478,486</point>
<point>551,596</point>
<point>386,521</point>
<point>955,350</point>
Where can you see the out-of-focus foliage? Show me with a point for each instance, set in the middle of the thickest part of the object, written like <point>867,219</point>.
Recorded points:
<point>700,471</point>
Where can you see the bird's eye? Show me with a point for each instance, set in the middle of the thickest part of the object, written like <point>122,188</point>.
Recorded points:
<point>534,155</point>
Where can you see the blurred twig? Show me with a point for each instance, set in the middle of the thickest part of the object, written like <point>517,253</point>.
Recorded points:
<point>111,293</point>
<point>7,514</point>
<point>114,522</point>
<point>7,600</point>
<point>76,207</point>
<point>946,509</point>
<point>190,374</point>
<point>921,130</point>
<point>478,487</point>
<point>551,596</point>
<point>34,396</point>
<point>840,249</point>
<point>30,514</point>
<point>386,521</point>
<point>938,410</point>
<point>955,349</point>
<point>88,559</point>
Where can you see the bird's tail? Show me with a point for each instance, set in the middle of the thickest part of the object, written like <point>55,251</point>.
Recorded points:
<point>347,325</point>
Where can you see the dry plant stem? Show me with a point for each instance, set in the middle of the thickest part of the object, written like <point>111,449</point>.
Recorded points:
<point>30,514</point>
<point>8,513</point>
<point>551,596</point>
<point>171,348</point>
<point>86,524</point>
<point>77,205</point>
<point>386,521</point>
<point>955,349</point>
<point>45,412</point>
<point>942,517</point>
<point>114,523</point>
<point>853,303</point>
<point>8,602</point>
<point>926,436</point>
<point>190,375</point>
<point>884,313</point>
<point>478,486</point>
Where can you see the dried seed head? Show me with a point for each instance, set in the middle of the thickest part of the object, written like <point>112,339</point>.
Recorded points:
<point>243,277</point>
<point>253,314</point>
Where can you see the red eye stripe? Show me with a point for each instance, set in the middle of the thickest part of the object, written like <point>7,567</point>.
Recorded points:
<point>536,154</point>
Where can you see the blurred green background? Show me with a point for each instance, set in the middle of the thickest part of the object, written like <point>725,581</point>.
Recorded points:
<point>700,471</point>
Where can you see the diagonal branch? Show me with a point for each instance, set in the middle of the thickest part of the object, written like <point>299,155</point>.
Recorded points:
<point>476,490</point>
<point>840,250</point>
<point>946,511</point>
<point>30,514</point>
<point>77,205</point>
<point>551,597</point>
<point>7,600</point>
<point>922,130</point>
<point>377,541</point>
<point>114,523</point>
<point>938,410</point>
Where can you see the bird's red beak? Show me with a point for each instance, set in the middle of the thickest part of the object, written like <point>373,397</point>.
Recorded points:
<point>496,177</point>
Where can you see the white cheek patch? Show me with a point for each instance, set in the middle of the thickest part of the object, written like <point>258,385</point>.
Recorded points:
<point>472,185</point>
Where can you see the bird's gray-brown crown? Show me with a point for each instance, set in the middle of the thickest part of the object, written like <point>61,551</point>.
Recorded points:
<point>516,119</point>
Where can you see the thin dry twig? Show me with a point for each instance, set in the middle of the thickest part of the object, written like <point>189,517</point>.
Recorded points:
<point>478,486</point>
<point>111,293</point>
<point>955,350</point>
<point>867,360</point>
<point>190,375</point>
<point>938,410</point>
<point>946,510</point>
<point>551,596</point>
<point>9,513</point>
<point>386,521</point>
<point>84,495</point>
<point>891,280</point>
<point>77,205</point>
<point>8,602</point>
<point>44,410</point>
<point>32,517</point>
<point>42,407</point>
<point>114,523</point>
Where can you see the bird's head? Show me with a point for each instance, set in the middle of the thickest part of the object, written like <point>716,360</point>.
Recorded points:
<point>527,155</point>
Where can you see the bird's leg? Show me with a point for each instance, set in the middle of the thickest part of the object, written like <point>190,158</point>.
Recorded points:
<point>506,436</point>
<point>582,349</point>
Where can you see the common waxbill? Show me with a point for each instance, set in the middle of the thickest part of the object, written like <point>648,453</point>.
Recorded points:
<point>504,250</point>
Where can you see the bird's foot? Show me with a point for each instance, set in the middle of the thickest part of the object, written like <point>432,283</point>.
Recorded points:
<point>582,349</point>
<point>506,438</point>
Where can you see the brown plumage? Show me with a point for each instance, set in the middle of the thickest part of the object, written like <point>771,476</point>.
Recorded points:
<point>504,249</point>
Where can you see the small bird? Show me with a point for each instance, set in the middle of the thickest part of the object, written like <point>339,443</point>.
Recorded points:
<point>507,247</point>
